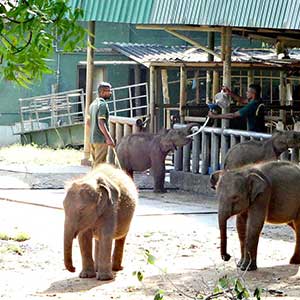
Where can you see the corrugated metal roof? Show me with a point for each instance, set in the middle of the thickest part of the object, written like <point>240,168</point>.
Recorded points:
<point>279,14</point>
<point>276,14</point>
<point>146,53</point>
<point>117,11</point>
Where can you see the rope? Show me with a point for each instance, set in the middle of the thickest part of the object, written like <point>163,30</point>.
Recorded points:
<point>116,158</point>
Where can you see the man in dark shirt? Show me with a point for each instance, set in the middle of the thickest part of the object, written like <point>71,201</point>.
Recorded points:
<point>100,137</point>
<point>253,111</point>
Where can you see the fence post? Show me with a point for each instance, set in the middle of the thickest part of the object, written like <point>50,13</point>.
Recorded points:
<point>205,153</point>
<point>178,159</point>
<point>186,157</point>
<point>215,151</point>
<point>196,153</point>
<point>233,140</point>
<point>112,131</point>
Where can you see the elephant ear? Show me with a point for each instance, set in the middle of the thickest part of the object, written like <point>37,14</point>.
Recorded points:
<point>256,186</point>
<point>279,142</point>
<point>107,195</point>
<point>214,178</point>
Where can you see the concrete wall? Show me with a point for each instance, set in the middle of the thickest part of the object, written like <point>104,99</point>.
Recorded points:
<point>191,182</point>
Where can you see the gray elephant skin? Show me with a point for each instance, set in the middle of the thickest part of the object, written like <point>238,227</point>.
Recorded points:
<point>143,151</point>
<point>256,151</point>
<point>265,192</point>
<point>99,205</point>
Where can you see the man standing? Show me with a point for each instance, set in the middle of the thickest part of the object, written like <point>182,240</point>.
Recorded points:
<point>253,110</point>
<point>100,137</point>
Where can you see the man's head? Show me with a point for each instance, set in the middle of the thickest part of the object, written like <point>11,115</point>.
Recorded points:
<point>253,91</point>
<point>104,90</point>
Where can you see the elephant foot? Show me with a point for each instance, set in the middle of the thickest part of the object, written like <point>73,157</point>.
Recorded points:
<point>249,267</point>
<point>226,256</point>
<point>87,274</point>
<point>295,260</point>
<point>117,267</point>
<point>104,276</point>
<point>240,262</point>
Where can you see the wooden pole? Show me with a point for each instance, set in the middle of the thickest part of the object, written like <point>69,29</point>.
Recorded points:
<point>282,112</point>
<point>137,90</point>
<point>250,78</point>
<point>89,90</point>
<point>209,75</point>
<point>182,100</point>
<point>226,46</point>
<point>152,98</point>
<point>216,83</point>
<point>197,87</point>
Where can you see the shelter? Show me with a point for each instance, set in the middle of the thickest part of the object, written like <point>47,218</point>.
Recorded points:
<point>273,21</point>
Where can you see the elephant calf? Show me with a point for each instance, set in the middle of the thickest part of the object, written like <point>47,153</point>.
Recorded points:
<point>266,192</point>
<point>256,151</point>
<point>99,205</point>
<point>143,151</point>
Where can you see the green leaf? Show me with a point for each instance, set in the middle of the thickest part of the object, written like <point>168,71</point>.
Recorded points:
<point>257,293</point>
<point>140,276</point>
<point>159,295</point>
<point>223,282</point>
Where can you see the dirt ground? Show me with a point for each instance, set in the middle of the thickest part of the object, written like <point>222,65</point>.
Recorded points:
<point>186,246</point>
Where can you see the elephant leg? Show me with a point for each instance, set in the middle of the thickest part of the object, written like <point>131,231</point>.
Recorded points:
<point>118,254</point>
<point>255,222</point>
<point>85,239</point>
<point>295,259</point>
<point>158,170</point>
<point>104,267</point>
<point>241,223</point>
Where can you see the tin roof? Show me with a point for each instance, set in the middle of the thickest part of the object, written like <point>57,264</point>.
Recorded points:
<point>272,14</point>
<point>146,54</point>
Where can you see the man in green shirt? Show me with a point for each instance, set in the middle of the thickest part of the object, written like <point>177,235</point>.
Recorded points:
<point>253,111</point>
<point>100,137</point>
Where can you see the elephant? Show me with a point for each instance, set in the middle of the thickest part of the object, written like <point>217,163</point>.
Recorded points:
<point>256,151</point>
<point>101,205</point>
<point>259,193</point>
<point>142,151</point>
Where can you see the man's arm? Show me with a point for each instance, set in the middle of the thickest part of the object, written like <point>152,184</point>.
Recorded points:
<point>234,96</point>
<point>104,130</point>
<point>224,116</point>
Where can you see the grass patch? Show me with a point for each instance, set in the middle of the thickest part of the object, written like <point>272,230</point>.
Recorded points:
<point>38,155</point>
<point>13,249</point>
<point>19,237</point>
<point>4,236</point>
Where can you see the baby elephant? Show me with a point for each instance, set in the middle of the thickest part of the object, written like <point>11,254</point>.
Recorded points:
<point>266,192</point>
<point>257,151</point>
<point>143,151</point>
<point>99,205</point>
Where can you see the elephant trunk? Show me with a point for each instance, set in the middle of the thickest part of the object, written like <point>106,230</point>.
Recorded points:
<point>69,234</point>
<point>223,232</point>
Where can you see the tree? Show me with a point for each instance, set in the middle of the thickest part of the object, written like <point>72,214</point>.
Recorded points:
<point>29,30</point>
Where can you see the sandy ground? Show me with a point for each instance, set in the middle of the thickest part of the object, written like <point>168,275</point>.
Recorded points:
<point>186,247</point>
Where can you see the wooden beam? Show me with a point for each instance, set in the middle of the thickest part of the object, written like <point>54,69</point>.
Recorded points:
<point>152,97</point>
<point>193,42</point>
<point>179,27</point>
<point>182,100</point>
<point>89,89</point>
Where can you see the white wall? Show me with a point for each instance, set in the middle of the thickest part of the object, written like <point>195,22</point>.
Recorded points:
<point>7,137</point>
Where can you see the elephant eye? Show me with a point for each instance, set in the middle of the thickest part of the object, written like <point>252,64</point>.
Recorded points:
<point>235,198</point>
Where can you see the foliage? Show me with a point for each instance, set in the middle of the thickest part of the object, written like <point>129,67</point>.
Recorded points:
<point>226,288</point>
<point>13,249</point>
<point>28,34</point>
